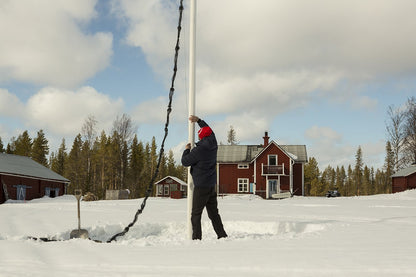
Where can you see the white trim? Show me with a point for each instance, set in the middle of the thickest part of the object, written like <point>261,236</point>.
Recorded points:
<point>303,180</point>
<point>245,182</point>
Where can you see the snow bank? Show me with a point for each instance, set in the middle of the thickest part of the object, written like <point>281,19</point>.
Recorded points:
<point>300,236</point>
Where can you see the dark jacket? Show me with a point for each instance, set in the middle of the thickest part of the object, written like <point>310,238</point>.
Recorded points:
<point>203,160</point>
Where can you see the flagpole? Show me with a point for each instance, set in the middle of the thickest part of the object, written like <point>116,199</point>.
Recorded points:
<point>191,97</point>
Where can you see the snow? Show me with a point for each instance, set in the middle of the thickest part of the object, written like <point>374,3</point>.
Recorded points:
<point>300,236</point>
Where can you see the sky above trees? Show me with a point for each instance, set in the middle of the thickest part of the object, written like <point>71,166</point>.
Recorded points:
<point>320,73</point>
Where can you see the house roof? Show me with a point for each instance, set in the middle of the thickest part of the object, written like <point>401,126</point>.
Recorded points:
<point>247,153</point>
<point>405,172</point>
<point>173,178</point>
<point>26,167</point>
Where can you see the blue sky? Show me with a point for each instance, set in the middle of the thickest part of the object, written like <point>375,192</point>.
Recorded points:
<point>320,73</point>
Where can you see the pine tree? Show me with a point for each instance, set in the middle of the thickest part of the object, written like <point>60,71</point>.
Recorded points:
<point>311,173</point>
<point>75,170</point>
<point>349,189</point>
<point>101,164</point>
<point>388,166</point>
<point>22,145</point>
<point>171,168</point>
<point>340,180</point>
<point>136,165</point>
<point>366,182</point>
<point>231,136</point>
<point>2,150</point>
<point>40,149</point>
<point>58,159</point>
<point>358,170</point>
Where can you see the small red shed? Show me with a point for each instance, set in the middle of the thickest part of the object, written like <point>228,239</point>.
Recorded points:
<point>404,179</point>
<point>21,178</point>
<point>172,187</point>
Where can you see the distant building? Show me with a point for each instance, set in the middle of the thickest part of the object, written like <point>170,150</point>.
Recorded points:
<point>172,187</point>
<point>21,178</point>
<point>404,179</point>
<point>268,170</point>
<point>118,194</point>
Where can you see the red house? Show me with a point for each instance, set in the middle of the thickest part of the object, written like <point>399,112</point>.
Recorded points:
<point>404,179</point>
<point>172,187</point>
<point>21,178</point>
<point>268,170</point>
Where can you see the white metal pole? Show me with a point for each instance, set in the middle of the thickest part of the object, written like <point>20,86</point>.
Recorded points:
<point>191,126</point>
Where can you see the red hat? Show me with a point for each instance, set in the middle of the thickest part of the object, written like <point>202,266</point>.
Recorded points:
<point>204,132</point>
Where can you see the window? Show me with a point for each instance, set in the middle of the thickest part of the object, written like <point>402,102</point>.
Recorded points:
<point>242,166</point>
<point>166,192</point>
<point>272,159</point>
<point>21,192</point>
<point>51,192</point>
<point>243,185</point>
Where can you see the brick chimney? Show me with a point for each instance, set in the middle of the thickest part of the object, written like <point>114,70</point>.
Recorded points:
<point>266,139</point>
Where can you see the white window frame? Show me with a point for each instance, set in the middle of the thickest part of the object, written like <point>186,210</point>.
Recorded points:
<point>268,159</point>
<point>243,166</point>
<point>166,190</point>
<point>243,185</point>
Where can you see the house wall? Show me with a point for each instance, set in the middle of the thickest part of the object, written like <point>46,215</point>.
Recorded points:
<point>228,175</point>
<point>297,178</point>
<point>404,183</point>
<point>411,182</point>
<point>399,184</point>
<point>35,188</point>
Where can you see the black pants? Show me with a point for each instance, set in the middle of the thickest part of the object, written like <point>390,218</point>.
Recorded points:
<point>205,197</point>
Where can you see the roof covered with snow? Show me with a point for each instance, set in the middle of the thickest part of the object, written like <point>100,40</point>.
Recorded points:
<point>176,179</point>
<point>406,171</point>
<point>26,167</point>
<point>247,153</point>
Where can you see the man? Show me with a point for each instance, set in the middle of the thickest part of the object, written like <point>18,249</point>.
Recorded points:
<point>203,161</point>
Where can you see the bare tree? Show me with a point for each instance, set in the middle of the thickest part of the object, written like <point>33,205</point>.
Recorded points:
<point>396,134</point>
<point>88,129</point>
<point>410,131</point>
<point>89,133</point>
<point>124,128</point>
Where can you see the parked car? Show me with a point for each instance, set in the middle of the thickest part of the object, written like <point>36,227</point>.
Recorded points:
<point>333,193</point>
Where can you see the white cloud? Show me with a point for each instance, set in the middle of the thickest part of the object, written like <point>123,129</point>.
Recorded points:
<point>323,134</point>
<point>274,55</point>
<point>64,111</point>
<point>10,105</point>
<point>327,146</point>
<point>43,42</point>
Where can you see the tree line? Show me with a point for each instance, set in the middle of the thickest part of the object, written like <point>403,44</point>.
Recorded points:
<point>360,179</point>
<point>96,163</point>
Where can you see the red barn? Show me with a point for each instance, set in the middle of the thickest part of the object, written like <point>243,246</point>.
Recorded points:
<point>404,179</point>
<point>172,187</point>
<point>21,178</point>
<point>268,170</point>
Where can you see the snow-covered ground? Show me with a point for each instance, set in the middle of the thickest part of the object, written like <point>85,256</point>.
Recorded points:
<point>355,236</point>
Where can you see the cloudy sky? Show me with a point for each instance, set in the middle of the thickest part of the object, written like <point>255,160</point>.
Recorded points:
<point>315,72</point>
